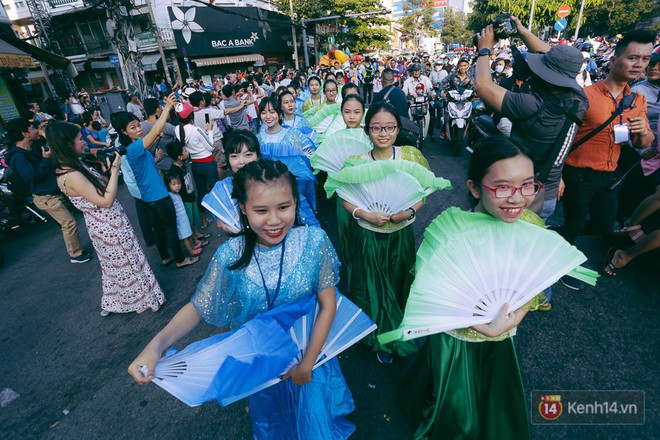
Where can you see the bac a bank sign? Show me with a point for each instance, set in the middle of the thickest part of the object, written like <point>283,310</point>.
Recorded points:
<point>204,31</point>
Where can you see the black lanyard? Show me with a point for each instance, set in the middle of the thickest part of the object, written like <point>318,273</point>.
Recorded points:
<point>279,278</point>
<point>393,154</point>
<point>619,105</point>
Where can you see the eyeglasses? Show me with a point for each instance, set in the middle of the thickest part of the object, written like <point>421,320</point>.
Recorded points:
<point>330,91</point>
<point>506,191</point>
<point>377,129</point>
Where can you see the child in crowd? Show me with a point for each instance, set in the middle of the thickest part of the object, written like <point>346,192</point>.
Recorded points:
<point>183,229</point>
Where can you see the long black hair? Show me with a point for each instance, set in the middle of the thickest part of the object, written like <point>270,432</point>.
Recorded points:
<point>61,138</point>
<point>263,171</point>
<point>353,97</point>
<point>377,108</point>
<point>488,151</point>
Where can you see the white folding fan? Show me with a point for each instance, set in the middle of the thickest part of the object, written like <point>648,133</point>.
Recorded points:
<point>332,154</point>
<point>390,194</point>
<point>229,367</point>
<point>221,204</point>
<point>470,264</point>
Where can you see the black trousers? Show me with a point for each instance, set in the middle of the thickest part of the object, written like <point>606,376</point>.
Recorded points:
<point>587,197</point>
<point>163,216</point>
<point>367,92</point>
<point>146,224</point>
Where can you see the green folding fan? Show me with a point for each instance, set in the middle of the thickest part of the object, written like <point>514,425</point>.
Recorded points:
<point>332,154</point>
<point>470,264</point>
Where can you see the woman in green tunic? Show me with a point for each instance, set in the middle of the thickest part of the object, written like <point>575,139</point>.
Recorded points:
<point>380,252</point>
<point>467,381</point>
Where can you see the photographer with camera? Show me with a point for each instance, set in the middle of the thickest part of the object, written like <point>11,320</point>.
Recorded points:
<point>546,119</point>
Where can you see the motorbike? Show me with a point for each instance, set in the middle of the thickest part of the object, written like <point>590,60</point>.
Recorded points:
<point>419,108</point>
<point>458,117</point>
<point>21,209</point>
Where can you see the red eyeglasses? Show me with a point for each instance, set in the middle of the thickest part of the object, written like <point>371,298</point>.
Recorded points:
<point>506,191</point>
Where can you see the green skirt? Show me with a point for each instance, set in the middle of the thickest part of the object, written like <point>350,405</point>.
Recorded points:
<point>379,276</point>
<point>468,391</point>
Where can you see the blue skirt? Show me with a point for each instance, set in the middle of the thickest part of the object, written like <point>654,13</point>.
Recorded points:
<point>314,411</point>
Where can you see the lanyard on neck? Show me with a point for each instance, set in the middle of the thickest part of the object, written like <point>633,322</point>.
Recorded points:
<point>619,105</point>
<point>393,154</point>
<point>271,302</point>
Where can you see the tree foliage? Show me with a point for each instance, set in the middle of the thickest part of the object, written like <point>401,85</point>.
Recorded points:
<point>359,34</point>
<point>455,28</point>
<point>545,11</point>
<point>418,20</point>
<point>620,16</point>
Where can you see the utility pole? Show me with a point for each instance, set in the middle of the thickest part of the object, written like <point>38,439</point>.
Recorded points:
<point>577,28</point>
<point>293,35</point>
<point>531,16</point>
<point>159,40</point>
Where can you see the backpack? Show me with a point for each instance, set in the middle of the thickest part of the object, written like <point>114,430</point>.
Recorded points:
<point>368,75</point>
<point>16,184</point>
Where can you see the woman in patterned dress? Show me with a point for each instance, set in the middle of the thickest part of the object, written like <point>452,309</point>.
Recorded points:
<point>129,285</point>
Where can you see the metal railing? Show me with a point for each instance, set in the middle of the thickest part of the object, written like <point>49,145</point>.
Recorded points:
<point>57,3</point>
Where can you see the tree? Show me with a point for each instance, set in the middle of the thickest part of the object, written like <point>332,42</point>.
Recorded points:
<point>620,16</point>
<point>455,27</point>
<point>419,20</point>
<point>359,34</point>
<point>545,11</point>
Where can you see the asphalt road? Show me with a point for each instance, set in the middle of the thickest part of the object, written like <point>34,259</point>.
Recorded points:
<point>68,364</point>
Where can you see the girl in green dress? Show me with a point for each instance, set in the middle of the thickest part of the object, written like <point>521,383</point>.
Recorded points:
<point>379,259</point>
<point>467,381</point>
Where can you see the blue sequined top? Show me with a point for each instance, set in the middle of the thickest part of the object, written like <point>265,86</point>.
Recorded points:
<point>225,297</point>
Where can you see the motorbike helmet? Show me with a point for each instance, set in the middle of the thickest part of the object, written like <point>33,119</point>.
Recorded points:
<point>655,55</point>
<point>563,41</point>
<point>414,66</point>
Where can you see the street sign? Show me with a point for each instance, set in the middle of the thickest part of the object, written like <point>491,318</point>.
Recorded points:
<point>561,24</point>
<point>114,59</point>
<point>563,11</point>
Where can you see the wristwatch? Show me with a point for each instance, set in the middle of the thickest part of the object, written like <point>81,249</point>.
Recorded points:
<point>484,52</point>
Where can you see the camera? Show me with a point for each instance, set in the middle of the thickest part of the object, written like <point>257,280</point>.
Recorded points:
<point>110,153</point>
<point>503,27</point>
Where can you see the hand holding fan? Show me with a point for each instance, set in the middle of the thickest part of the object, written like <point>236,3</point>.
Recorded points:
<point>470,264</point>
<point>231,366</point>
<point>332,154</point>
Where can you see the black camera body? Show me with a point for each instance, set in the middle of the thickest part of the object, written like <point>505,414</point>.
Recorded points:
<point>110,153</point>
<point>503,27</point>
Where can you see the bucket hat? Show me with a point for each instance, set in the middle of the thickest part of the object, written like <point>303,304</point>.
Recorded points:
<point>559,66</point>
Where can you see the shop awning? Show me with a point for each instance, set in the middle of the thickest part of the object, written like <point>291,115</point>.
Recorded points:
<point>11,56</point>
<point>59,62</point>
<point>249,58</point>
<point>150,61</point>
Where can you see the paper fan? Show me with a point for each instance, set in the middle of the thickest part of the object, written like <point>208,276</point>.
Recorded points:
<point>322,118</point>
<point>470,264</point>
<point>332,154</point>
<point>231,366</point>
<point>390,194</point>
<point>221,204</point>
<point>365,171</point>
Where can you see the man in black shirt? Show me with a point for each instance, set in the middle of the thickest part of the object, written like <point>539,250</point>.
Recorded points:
<point>392,94</point>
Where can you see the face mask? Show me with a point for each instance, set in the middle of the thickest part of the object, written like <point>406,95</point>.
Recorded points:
<point>583,68</point>
<point>445,62</point>
<point>499,69</point>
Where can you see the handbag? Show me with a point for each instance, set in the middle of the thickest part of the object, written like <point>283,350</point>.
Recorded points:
<point>409,132</point>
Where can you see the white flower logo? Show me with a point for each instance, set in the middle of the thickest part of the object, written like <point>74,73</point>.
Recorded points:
<point>185,23</point>
<point>254,36</point>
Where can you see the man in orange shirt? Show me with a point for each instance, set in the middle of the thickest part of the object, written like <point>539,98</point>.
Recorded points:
<point>591,168</point>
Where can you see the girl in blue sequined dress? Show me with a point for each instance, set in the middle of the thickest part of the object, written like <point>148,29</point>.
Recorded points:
<point>271,264</point>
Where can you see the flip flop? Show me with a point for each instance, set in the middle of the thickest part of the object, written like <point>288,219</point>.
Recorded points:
<point>168,261</point>
<point>187,262</point>
<point>196,252</point>
<point>635,232</point>
<point>610,270</point>
<point>203,236</point>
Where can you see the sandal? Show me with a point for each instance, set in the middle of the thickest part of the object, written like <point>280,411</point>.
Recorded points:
<point>196,252</point>
<point>142,310</point>
<point>187,262</point>
<point>203,236</point>
<point>201,244</point>
<point>168,261</point>
<point>610,270</point>
<point>635,232</point>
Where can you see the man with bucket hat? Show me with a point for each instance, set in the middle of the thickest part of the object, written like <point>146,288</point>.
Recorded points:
<point>545,120</point>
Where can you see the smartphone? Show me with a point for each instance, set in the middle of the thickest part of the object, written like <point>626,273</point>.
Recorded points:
<point>206,118</point>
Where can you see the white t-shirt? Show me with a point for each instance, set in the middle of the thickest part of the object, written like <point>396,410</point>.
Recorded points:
<point>214,115</point>
<point>197,141</point>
